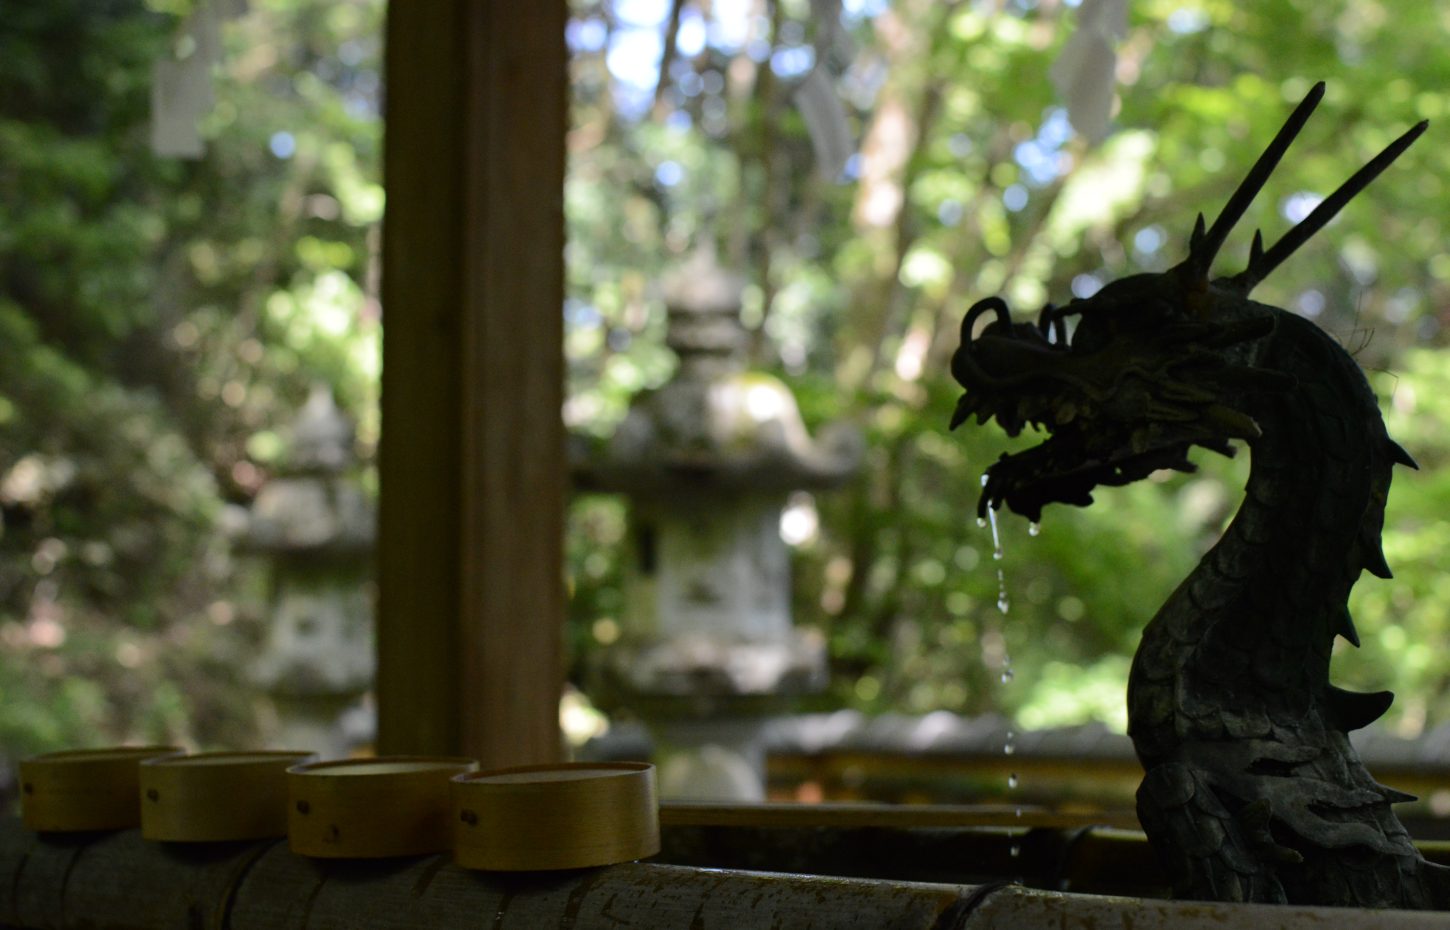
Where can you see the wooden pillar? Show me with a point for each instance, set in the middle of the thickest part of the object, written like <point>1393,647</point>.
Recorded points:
<point>470,579</point>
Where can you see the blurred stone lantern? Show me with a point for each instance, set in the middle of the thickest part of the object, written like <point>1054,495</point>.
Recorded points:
<point>708,650</point>
<point>315,526</point>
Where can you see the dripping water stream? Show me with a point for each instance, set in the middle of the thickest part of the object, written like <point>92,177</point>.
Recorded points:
<point>997,552</point>
<point>1009,745</point>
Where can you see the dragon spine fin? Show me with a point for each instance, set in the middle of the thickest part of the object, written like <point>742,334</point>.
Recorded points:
<point>1399,456</point>
<point>1371,546</point>
<point>1353,709</point>
<point>1346,627</point>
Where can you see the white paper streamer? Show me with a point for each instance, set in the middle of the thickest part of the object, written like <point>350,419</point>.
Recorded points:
<point>181,90</point>
<point>1085,73</point>
<point>180,93</point>
<point>826,122</point>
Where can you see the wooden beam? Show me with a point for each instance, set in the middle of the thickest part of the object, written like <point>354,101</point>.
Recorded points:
<point>120,880</point>
<point>886,816</point>
<point>472,475</point>
<point>80,882</point>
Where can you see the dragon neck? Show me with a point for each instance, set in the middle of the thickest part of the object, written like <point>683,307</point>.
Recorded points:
<point>1270,596</point>
<point>1314,504</point>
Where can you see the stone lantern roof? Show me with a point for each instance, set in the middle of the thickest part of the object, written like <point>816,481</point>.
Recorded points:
<point>312,506</point>
<point>322,436</point>
<point>715,424</point>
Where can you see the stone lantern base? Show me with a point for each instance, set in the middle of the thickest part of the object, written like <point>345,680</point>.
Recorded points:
<point>708,703</point>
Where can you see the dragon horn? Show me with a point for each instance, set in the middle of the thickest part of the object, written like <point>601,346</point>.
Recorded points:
<point>1267,261</point>
<point>994,305</point>
<point>1204,246</point>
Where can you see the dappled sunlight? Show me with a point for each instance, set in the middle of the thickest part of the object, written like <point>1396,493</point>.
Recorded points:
<point>969,177</point>
<point>869,172</point>
<point>196,246</point>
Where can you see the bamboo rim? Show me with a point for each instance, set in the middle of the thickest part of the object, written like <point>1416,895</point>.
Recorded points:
<point>217,796</point>
<point>79,790</point>
<point>372,808</point>
<point>547,817</point>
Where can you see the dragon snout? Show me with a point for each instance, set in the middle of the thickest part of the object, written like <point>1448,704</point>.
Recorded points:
<point>1001,365</point>
<point>1005,354</point>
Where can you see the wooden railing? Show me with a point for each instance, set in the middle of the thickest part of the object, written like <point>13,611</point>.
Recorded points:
<point>1103,785</point>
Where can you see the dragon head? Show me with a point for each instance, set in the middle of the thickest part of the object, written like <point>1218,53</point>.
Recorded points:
<point>1127,381</point>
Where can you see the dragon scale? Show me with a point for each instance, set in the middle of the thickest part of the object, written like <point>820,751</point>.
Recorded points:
<point>1227,805</point>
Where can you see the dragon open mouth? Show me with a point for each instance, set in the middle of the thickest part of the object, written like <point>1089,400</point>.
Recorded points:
<point>1123,395</point>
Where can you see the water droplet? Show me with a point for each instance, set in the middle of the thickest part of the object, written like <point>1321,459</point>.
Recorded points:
<point>1008,749</point>
<point>1008,675</point>
<point>1034,528</point>
<point>991,517</point>
<point>1018,813</point>
<point>1012,783</point>
<point>1016,850</point>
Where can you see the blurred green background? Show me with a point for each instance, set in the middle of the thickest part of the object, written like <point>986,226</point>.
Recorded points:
<point>161,319</point>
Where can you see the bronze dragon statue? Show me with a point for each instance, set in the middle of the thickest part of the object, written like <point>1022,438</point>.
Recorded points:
<point>1252,790</point>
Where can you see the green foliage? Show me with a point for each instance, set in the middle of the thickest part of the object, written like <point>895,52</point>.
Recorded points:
<point>1402,621</point>
<point>970,183</point>
<point>160,320</point>
<point>156,316</point>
